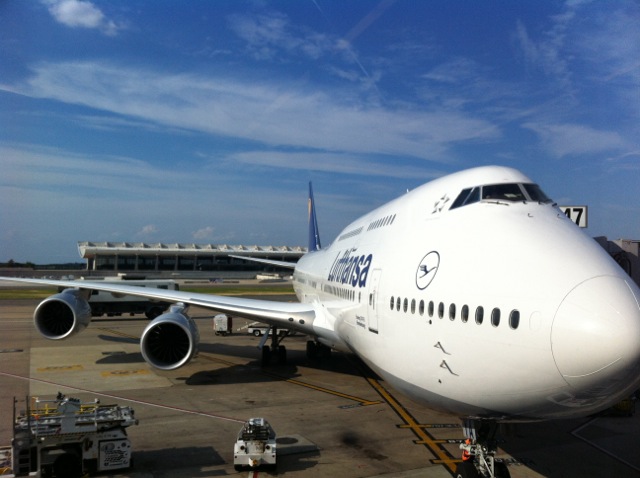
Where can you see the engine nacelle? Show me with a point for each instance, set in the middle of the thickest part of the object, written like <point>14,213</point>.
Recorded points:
<point>170,340</point>
<point>62,315</point>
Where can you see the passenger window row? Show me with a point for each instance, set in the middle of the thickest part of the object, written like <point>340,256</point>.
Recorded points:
<point>385,221</point>
<point>412,306</point>
<point>341,292</point>
<point>349,234</point>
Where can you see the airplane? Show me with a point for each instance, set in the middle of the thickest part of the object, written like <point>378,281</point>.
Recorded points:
<point>472,294</point>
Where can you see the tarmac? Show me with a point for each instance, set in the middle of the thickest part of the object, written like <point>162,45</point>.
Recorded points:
<point>332,418</point>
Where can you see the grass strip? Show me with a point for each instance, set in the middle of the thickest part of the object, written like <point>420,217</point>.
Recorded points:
<point>20,293</point>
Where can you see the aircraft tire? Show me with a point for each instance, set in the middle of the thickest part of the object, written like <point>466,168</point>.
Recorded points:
<point>312,350</point>
<point>466,469</point>
<point>266,356</point>
<point>282,355</point>
<point>325,352</point>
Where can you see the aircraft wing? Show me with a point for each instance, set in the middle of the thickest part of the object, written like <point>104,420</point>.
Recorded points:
<point>292,315</point>
<point>288,265</point>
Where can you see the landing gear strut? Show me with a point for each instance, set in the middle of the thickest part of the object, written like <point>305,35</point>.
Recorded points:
<point>478,451</point>
<point>275,349</point>
<point>316,350</point>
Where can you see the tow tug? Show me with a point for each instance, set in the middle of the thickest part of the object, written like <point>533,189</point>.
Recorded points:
<point>66,438</point>
<point>256,445</point>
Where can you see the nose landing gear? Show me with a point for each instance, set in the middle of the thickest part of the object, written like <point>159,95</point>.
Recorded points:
<point>478,451</point>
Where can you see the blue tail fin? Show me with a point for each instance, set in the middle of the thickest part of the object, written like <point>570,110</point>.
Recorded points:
<point>314,236</point>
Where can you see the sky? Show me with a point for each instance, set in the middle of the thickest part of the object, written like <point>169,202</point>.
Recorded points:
<point>203,121</point>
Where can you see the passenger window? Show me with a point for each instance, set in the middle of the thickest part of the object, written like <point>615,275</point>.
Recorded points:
<point>421,307</point>
<point>405,305</point>
<point>464,313</point>
<point>392,304</point>
<point>398,304</point>
<point>431,308</point>
<point>440,310</point>
<point>413,306</point>
<point>495,317</point>
<point>452,311</point>
<point>514,319</point>
<point>479,315</point>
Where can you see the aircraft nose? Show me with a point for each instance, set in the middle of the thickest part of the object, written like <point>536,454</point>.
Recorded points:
<point>595,336</point>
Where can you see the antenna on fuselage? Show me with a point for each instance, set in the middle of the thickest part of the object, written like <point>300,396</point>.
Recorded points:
<point>314,236</point>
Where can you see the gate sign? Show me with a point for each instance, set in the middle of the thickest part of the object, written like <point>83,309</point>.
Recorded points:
<point>577,214</point>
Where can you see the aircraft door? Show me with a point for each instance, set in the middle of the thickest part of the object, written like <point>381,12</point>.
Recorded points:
<point>373,300</point>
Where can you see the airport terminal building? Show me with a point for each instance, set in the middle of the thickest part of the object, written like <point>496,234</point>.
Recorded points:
<point>202,259</point>
<point>159,258</point>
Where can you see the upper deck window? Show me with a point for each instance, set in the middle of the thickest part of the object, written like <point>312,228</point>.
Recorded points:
<point>510,192</point>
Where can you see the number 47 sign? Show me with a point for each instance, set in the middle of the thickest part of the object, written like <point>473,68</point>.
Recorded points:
<point>577,214</point>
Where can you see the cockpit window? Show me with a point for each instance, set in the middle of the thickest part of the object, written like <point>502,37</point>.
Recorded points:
<point>466,197</point>
<point>536,194</point>
<point>504,192</point>
<point>512,192</point>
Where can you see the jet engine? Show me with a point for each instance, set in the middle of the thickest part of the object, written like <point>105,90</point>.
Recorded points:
<point>170,340</point>
<point>62,315</point>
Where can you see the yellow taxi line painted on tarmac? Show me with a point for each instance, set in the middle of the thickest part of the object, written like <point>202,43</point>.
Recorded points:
<point>361,401</point>
<point>217,359</point>
<point>124,373</point>
<point>61,368</point>
<point>442,456</point>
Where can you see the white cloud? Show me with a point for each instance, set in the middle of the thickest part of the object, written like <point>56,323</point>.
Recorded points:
<point>587,42</point>
<point>610,51</point>
<point>454,72</point>
<point>274,114</point>
<point>48,168</point>
<point>269,34</point>
<point>548,53</point>
<point>148,230</point>
<point>339,163</point>
<point>573,139</point>
<point>203,234</point>
<point>80,14</point>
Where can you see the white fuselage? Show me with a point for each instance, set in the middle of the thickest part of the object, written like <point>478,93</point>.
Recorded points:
<point>497,308</point>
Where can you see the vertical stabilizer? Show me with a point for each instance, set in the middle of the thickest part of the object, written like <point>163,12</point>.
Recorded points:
<point>314,236</point>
